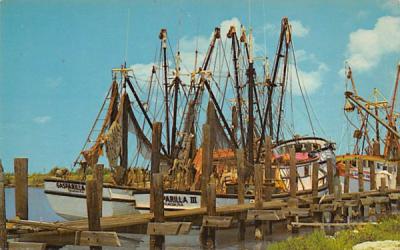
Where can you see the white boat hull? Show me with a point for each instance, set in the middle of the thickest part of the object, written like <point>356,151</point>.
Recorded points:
<point>68,200</point>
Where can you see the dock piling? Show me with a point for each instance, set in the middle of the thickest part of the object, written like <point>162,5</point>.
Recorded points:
<point>98,177</point>
<point>329,166</point>
<point>346,177</point>
<point>240,170</point>
<point>157,241</point>
<point>293,173</point>
<point>268,178</point>
<point>21,187</point>
<point>258,181</point>
<point>93,208</point>
<point>360,175</point>
<point>372,175</point>
<point>211,211</point>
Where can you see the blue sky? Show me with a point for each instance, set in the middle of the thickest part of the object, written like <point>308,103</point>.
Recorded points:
<point>56,57</point>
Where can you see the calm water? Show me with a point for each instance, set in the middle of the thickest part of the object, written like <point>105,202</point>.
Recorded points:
<point>39,207</point>
<point>40,210</point>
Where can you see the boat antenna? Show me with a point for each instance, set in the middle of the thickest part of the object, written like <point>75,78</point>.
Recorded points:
<point>127,34</point>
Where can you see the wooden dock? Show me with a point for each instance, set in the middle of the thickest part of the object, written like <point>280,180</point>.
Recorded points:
<point>333,209</point>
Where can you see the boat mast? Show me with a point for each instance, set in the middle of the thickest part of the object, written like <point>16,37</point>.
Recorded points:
<point>124,125</point>
<point>390,141</point>
<point>268,110</point>
<point>163,38</point>
<point>232,34</point>
<point>288,40</point>
<point>176,82</point>
<point>250,126</point>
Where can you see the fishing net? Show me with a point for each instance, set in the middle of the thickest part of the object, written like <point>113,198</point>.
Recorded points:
<point>113,143</point>
<point>92,154</point>
<point>143,144</point>
<point>221,140</point>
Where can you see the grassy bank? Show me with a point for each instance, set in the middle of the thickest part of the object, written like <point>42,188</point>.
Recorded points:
<point>387,229</point>
<point>37,179</point>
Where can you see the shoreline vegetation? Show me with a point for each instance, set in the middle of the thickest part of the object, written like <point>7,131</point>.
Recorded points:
<point>37,179</point>
<point>388,228</point>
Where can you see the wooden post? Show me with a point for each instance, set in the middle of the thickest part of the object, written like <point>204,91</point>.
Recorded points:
<point>206,162</point>
<point>98,177</point>
<point>372,175</point>
<point>314,180</point>
<point>383,184</point>
<point>314,188</point>
<point>240,170</point>
<point>21,187</point>
<point>330,166</point>
<point>206,166</point>
<point>155,155</point>
<point>3,230</point>
<point>360,175</point>
<point>398,175</point>
<point>93,208</point>
<point>347,177</point>
<point>258,181</point>
<point>268,177</point>
<point>157,241</point>
<point>157,187</point>
<point>293,173</point>
<point>211,211</point>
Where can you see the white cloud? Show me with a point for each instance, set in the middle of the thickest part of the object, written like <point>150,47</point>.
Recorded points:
<point>367,46</point>
<point>226,25</point>
<point>42,119</point>
<point>392,5</point>
<point>142,71</point>
<point>187,47</point>
<point>310,81</point>
<point>298,29</point>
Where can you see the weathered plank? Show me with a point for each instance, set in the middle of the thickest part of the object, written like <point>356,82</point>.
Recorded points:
<point>217,221</point>
<point>168,228</point>
<point>21,187</point>
<point>82,238</point>
<point>43,225</point>
<point>26,246</point>
<point>94,238</point>
<point>266,215</point>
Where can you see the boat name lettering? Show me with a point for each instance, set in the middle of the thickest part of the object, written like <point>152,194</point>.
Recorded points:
<point>176,200</point>
<point>72,187</point>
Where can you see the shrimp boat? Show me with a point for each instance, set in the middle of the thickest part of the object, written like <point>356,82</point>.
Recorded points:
<point>183,101</point>
<point>368,136</point>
